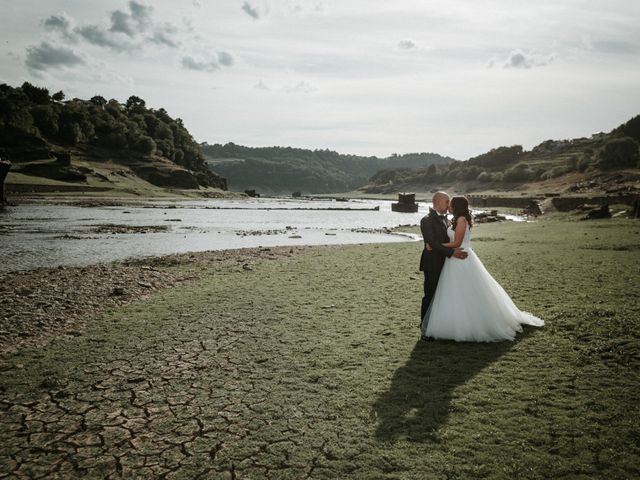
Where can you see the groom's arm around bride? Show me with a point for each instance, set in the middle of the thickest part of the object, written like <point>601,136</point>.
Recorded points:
<point>434,233</point>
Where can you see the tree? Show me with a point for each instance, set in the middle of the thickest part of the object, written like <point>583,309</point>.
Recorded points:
<point>470,173</point>
<point>70,132</point>
<point>497,157</point>
<point>37,95</point>
<point>46,119</point>
<point>145,145</point>
<point>162,131</point>
<point>432,170</point>
<point>619,153</point>
<point>113,140</point>
<point>519,173</point>
<point>630,129</point>
<point>98,101</point>
<point>135,104</point>
<point>58,96</point>
<point>484,177</point>
<point>14,110</point>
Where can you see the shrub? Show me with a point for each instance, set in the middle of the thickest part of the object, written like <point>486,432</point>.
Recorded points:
<point>471,172</point>
<point>572,165</point>
<point>630,128</point>
<point>554,172</point>
<point>484,177</point>
<point>497,157</point>
<point>145,145</point>
<point>619,153</point>
<point>46,119</point>
<point>519,173</point>
<point>113,140</point>
<point>584,163</point>
<point>70,132</point>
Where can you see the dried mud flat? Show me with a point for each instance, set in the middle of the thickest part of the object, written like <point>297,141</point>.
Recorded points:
<point>39,305</point>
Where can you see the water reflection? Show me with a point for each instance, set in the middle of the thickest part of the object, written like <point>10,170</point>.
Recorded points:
<point>33,236</point>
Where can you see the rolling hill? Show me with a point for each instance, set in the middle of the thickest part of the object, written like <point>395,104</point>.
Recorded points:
<point>97,145</point>
<point>286,169</point>
<point>603,162</point>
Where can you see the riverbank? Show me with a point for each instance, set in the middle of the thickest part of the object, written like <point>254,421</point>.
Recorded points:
<point>309,366</point>
<point>114,184</point>
<point>48,303</point>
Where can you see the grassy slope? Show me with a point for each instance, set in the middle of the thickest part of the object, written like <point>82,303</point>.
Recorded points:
<point>312,365</point>
<point>129,186</point>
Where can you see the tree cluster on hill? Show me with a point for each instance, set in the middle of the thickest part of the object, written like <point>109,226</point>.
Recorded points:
<point>618,149</point>
<point>29,113</point>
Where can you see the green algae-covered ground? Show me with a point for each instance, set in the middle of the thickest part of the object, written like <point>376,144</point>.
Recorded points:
<point>310,367</point>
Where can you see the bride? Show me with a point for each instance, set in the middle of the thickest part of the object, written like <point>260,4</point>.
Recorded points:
<point>469,305</point>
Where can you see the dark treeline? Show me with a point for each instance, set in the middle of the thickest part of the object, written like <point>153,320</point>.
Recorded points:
<point>29,113</point>
<point>285,169</point>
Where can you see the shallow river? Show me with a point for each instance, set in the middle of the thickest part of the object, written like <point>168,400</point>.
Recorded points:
<point>33,236</point>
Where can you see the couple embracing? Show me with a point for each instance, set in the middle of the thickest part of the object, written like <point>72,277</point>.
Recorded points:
<point>462,301</point>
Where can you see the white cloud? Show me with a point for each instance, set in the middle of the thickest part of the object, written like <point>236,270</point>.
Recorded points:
<point>96,35</point>
<point>407,45</point>
<point>300,86</point>
<point>250,10</point>
<point>225,59</point>
<point>191,63</point>
<point>521,59</point>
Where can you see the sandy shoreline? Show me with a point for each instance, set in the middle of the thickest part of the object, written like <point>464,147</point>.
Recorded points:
<point>42,304</point>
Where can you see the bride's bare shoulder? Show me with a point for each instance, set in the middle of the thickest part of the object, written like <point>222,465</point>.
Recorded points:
<point>461,223</point>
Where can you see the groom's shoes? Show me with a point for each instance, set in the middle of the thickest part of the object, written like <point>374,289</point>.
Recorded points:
<point>424,338</point>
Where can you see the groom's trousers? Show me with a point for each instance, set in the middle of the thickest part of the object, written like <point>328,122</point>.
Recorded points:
<point>430,285</point>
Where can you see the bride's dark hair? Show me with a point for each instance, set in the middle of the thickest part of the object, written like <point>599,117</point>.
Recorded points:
<point>460,207</point>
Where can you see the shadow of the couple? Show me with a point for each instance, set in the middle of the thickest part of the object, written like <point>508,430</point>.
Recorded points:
<point>418,399</point>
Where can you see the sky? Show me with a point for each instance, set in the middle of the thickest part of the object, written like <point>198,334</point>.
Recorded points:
<point>368,77</point>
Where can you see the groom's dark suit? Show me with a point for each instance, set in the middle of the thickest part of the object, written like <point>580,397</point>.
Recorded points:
<point>434,232</point>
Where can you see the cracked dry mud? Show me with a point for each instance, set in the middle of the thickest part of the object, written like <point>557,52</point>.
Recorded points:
<point>308,367</point>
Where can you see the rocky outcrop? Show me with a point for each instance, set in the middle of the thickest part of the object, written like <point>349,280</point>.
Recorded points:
<point>209,178</point>
<point>602,212</point>
<point>168,177</point>
<point>489,217</point>
<point>534,209</point>
<point>567,204</point>
<point>499,201</point>
<point>54,171</point>
<point>406,203</point>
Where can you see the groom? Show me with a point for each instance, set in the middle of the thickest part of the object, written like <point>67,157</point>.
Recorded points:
<point>434,233</point>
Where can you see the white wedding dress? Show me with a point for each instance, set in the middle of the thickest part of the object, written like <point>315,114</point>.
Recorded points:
<point>469,305</point>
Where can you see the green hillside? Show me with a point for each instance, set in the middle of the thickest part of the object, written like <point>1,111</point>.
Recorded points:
<point>286,169</point>
<point>96,144</point>
<point>605,162</point>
